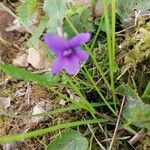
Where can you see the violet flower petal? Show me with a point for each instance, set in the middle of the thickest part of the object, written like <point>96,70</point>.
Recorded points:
<point>81,54</point>
<point>71,64</point>
<point>79,39</point>
<point>57,65</point>
<point>55,43</point>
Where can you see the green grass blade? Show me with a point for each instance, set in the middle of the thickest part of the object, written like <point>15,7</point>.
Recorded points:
<point>111,47</point>
<point>53,112</point>
<point>18,137</point>
<point>99,92</point>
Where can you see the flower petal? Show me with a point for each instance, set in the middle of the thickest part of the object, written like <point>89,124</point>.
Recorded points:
<point>57,65</point>
<point>71,65</point>
<point>81,54</point>
<point>79,39</point>
<point>55,43</point>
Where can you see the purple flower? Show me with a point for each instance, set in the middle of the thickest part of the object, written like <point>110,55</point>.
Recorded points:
<point>68,53</point>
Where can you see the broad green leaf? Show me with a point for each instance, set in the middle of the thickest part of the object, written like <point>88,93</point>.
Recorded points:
<point>127,91</point>
<point>41,27</point>
<point>37,32</point>
<point>26,10</point>
<point>137,113</point>
<point>86,23</point>
<point>127,7</point>
<point>55,10</point>
<point>79,16</point>
<point>70,140</point>
<point>75,20</point>
<point>45,79</point>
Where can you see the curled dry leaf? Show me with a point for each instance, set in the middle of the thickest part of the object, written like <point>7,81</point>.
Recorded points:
<point>20,92</point>
<point>21,61</point>
<point>36,59</point>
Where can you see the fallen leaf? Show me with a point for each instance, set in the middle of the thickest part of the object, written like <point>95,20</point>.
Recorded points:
<point>5,102</point>
<point>36,59</point>
<point>21,61</point>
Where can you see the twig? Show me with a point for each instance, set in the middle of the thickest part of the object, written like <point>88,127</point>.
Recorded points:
<point>117,124</point>
<point>121,138</point>
<point>100,145</point>
<point>28,93</point>
<point>136,137</point>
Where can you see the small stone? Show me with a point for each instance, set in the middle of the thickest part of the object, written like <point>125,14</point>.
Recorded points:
<point>21,61</point>
<point>36,60</point>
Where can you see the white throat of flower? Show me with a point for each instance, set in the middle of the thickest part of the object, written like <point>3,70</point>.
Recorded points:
<point>67,52</point>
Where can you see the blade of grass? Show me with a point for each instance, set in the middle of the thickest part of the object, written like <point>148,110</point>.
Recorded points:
<point>109,45</point>
<point>54,112</point>
<point>97,33</point>
<point>99,92</point>
<point>98,67</point>
<point>29,76</point>
<point>113,4</point>
<point>74,101</point>
<point>18,137</point>
<point>77,90</point>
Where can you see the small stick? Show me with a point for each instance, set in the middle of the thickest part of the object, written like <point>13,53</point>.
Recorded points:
<point>100,145</point>
<point>136,137</point>
<point>117,124</point>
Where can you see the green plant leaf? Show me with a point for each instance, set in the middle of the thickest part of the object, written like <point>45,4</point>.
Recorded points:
<point>37,32</point>
<point>26,10</point>
<point>137,113</point>
<point>75,20</point>
<point>70,140</point>
<point>127,91</point>
<point>45,79</point>
<point>55,10</point>
<point>127,7</point>
<point>86,23</point>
